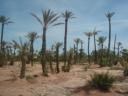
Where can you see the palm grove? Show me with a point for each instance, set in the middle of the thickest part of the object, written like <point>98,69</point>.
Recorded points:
<point>13,51</point>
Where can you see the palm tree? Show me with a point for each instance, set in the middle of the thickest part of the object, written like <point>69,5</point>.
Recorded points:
<point>49,18</point>
<point>57,46</point>
<point>118,48</point>
<point>88,34</point>
<point>32,36</point>
<point>109,16</point>
<point>81,49</point>
<point>77,41</point>
<point>4,21</point>
<point>23,52</point>
<point>66,15</point>
<point>101,41</point>
<point>114,45</point>
<point>95,32</point>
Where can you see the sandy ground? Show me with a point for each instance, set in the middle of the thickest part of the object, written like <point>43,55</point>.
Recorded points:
<point>62,84</point>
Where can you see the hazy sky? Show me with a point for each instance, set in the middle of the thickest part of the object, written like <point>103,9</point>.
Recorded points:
<point>88,13</point>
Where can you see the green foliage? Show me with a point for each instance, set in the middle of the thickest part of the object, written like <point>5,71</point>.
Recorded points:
<point>101,81</point>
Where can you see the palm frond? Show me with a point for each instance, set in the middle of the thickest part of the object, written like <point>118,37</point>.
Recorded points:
<point>37,18</point>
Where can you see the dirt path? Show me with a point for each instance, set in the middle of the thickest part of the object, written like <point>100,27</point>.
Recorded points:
<point>63,84</point>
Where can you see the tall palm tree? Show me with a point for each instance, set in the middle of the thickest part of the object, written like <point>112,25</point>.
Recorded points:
<point>77,41</point>
<point>32,36</point>
<point>48,19</point>
<point>4,21</point>
<point>114,45</point>
<point>118,48</point>
<point>66,15</point>
<point>109,16</point>
<point>88,34</point>
<point>57,46</point>
<point>101,41</point>
<point>95,32</point>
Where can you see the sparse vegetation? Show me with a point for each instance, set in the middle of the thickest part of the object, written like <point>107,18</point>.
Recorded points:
<point>57,61</point>
<point>101,81</point>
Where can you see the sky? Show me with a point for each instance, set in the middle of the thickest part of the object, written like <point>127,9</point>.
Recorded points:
<point>89,14</point>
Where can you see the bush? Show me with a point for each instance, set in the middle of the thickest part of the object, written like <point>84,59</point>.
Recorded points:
<point>126,71</point>
<point>101,81</point>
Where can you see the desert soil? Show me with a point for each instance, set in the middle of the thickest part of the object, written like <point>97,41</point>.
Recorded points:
<point>62,84</point>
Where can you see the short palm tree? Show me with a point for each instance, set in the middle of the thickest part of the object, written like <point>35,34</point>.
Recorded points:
<point>57,46</point>
<point>77,41</point>
<point>32,36</point>
<point>48,19</point>
<point>88,34</point>
<point>23,52</point>
<point>101,41</point>
<point>109,16</point>
<point>81,49</point>
<point>66,15</point>
<point>95,32</point>
<point>4,21</point>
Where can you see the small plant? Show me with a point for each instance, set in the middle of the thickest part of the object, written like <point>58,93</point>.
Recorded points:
<point>126,71</point>
<point>101,81</point>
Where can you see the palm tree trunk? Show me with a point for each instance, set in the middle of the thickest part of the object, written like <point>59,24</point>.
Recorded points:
<point>57,60</point>
<point>43,59</point>
<point>118,54</point>
<point>114,46</point>
<point>50,63</point>
<point>88,50</point>
<point>23,68</point>
<point>31,52</point>
<point>81,52</point>
<point>65,43</point>
<point>74,57</point>
<point>95,58</point>
<point>2,33</point>
<point>76,52</point>
<point>109,43</point>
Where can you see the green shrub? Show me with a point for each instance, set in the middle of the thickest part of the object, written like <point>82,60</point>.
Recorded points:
<point>126,71</point>
<point>101,81</point>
